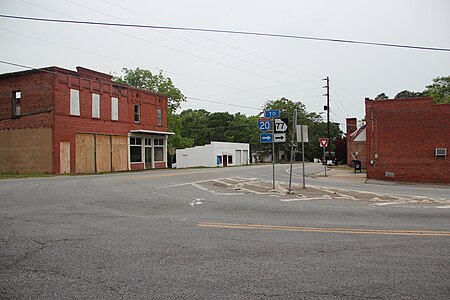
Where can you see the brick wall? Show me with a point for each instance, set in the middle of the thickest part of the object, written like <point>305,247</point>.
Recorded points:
<point>66,125</point>
<point>45,103</point>
<point>36,103</point>
<point>401,137</point>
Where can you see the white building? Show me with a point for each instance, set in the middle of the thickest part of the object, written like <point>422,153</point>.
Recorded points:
<point>216,154</point>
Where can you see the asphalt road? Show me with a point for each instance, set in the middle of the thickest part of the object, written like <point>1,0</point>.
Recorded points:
<point>188,234</point>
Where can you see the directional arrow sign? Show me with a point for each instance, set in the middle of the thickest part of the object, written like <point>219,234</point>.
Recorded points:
<point>279,137</point>
<point>265,137</point>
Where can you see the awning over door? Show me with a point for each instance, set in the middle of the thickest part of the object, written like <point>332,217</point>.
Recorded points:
<point>152,132</point>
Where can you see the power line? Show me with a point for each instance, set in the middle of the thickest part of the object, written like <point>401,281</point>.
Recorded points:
<point>248,33</point>
<point>191,98</point>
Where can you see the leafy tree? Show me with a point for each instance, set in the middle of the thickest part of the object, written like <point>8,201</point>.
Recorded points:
<point>195,125</point>
<point>439,89</point>
<point>409,94</point>
<point>177,140</point>
<point>381,96</point>
<point>218,123</point>
<point>156,83</point>
<point>243,129</point>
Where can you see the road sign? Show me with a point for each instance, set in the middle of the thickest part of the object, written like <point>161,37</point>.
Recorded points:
<point>323,142</point>
<point>279,137</point>
<point>265,137</point>
<point>281,125</point>
<point>274,113</point>
<point>264,124</point>
<point>303,128</point>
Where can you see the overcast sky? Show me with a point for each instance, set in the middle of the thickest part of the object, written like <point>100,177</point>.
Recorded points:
<point>237,69</point>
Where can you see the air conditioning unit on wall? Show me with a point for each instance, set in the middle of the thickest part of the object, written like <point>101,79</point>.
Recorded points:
<point>440,152</point>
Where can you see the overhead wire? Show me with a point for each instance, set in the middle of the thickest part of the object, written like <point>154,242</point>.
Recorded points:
<point>235,32</point>
<point>184,52</point>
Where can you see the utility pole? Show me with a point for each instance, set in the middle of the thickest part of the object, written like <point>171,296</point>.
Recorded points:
<point>327,108</point>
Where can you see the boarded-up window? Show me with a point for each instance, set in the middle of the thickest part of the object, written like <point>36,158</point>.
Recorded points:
<point>95,105</point>
<point>74,102</point>
<point>114,109</point>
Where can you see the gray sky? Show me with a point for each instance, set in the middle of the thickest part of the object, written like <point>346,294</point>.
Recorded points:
<point>242,70</point>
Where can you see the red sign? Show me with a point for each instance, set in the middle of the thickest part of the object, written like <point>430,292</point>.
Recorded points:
<point>323,142</point>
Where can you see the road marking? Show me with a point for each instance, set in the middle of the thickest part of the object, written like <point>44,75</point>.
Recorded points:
<point>444,206</point>
<point>385,203</point>
<point>326,230</point>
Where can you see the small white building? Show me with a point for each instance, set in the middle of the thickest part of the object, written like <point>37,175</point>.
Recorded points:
<point>216,154</point>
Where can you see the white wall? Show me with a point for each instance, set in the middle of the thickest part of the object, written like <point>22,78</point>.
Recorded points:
<point>206,156</point>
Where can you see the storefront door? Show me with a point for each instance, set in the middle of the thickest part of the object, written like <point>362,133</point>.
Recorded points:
<point>148,157</point>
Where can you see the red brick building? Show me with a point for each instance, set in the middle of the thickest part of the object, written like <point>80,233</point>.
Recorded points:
<point>55,120</point>
<point>408,140</point>
<point>356,142</point>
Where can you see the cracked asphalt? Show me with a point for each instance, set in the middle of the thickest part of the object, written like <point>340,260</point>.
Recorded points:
<point>219,234</point>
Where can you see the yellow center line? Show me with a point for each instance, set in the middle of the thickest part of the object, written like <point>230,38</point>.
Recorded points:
<point>326,230</point>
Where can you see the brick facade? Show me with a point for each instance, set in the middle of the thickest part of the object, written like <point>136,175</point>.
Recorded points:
<point>45,103</point>
<point>401,137</point>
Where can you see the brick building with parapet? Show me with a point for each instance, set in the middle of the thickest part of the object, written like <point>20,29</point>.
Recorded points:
<point>54,120</point>
<point>407,140</point>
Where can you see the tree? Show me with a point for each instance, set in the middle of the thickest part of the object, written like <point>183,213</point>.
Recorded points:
<point>381,96</point>
<point>219,123</point>
<point>409,94</point>
<point>156,83</point>
<point>439,89</point>
<point>194,124</point>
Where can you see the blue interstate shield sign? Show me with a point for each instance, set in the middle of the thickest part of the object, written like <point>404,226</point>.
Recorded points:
<point>264,124</point>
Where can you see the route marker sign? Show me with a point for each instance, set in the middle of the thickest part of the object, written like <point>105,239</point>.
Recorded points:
<point>265,137</point>
<point>274,113</point>
<point>281,125</point>
<point>264,124</point>
<point>323,142</point>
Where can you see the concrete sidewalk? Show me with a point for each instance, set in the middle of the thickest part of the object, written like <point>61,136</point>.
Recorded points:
<point>343,173</point>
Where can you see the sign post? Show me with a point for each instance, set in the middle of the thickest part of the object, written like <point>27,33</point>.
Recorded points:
<point>324,143</point>
<point>273,129</point>
<point>292,148</point>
